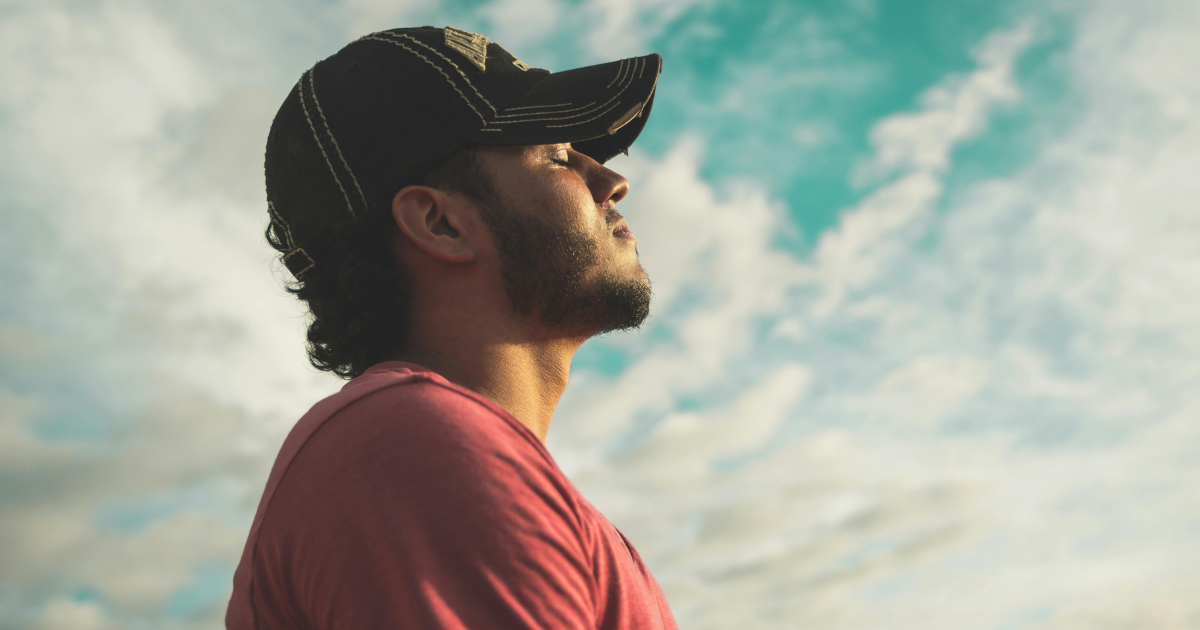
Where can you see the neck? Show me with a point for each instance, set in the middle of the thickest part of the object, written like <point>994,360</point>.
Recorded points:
<point>523,372</point>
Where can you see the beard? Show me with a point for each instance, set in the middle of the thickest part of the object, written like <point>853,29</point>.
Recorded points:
<point>546,269</point>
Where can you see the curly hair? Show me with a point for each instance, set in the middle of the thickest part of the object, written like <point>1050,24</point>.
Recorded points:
<point>358,297</point>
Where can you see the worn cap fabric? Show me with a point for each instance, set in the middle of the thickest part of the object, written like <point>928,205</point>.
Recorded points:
<point>381,112</point>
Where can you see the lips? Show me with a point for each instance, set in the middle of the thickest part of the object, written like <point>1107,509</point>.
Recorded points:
<point>620,226</point>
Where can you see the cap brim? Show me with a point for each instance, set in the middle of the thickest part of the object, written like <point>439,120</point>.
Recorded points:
<point>601,109</point>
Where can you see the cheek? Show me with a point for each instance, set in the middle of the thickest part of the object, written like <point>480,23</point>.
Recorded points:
<point>575,202</point>
<point>569,204</point>
<point>561,199</point>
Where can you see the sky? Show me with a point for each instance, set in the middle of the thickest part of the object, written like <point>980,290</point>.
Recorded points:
<point>925,342</point>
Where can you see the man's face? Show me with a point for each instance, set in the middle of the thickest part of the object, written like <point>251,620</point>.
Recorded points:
<point>567,257</point>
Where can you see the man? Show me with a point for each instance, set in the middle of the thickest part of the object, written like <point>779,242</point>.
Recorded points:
<point>446,214</point>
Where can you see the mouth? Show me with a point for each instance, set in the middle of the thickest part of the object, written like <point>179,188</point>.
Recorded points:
<point>620,225</point>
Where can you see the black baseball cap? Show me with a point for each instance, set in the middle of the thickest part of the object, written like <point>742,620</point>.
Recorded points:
<point>381,112</point>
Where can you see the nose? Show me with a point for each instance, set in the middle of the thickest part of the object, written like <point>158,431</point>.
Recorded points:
<point>607,186</point>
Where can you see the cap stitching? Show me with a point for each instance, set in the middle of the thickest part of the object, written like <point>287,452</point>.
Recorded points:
<point>584,113</point>
<point>629,68</point>
<point>543,113</point>
<point>614,106</point>
<point>449,61</point>
<point>509,109</point>
<point>317,137</point>
<point>460,72</point>
<point>278,219</point>
<point>435,66</point>
<point>614,97</point>
<point>312,86</point>
<point>620,72</point>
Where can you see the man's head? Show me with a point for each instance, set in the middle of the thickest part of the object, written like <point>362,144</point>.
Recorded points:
<point>415,156</point>
<point>543,219</point>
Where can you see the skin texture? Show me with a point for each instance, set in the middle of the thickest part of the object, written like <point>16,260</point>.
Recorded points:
<point>502,301</point>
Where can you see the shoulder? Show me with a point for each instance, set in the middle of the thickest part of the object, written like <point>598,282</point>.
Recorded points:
<point>401,423</point>
<point>407,406</point>
<point>414,439</point>
<point>393,400</point>
<point>407,483</point>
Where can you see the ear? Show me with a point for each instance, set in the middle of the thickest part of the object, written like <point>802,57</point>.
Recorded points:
<point>436,222</point>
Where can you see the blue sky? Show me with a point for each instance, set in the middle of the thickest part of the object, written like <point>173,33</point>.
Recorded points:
<point>922,351</point>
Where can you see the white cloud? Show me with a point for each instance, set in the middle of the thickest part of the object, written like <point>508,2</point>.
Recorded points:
<point>18,448</point>
<point>734,546</point>
<point>999,430</point>
<point>917,145</point>
<point>685,445</point>
<point>692,241</point>
<point>140,572</point>
<point>953,111</point>
<point>929,387</point>
<point>811,135</point>
<point>200,322</point>
<point>1006,437</point>
<point>369,16</point>
<point>624,28</point>
<point>65,614</point>
<point>518,22</point>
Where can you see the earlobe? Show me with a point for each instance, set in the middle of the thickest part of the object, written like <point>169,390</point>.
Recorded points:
<point>431,220</point>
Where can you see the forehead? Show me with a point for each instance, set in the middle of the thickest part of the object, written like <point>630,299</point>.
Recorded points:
<point>525,149</point>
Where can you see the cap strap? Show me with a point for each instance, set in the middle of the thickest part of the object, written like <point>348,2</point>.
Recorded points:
<point>298,262</point>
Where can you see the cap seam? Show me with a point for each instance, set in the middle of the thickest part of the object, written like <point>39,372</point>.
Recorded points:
<point>435,66</point>
<point>312,85</point>
<point>509,109</point>
<point>449,61</point>
<point>317,137</point>
<point>287,231</point>
<point>620,73</point>
<point>614,106</point>
<point>543,113</point>
<point>614,97</point>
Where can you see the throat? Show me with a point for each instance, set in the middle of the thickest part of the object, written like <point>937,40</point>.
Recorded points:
<point>525,379</point>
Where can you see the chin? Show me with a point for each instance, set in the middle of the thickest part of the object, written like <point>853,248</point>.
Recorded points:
<point>622,302</point>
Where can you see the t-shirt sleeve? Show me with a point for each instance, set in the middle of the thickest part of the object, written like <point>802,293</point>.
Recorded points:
<point>420,507</point>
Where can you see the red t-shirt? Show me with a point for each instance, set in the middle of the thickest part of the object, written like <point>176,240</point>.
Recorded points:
<point>405,501</point>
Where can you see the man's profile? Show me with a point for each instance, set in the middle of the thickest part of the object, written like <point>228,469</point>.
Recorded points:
<point>445,212</point>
